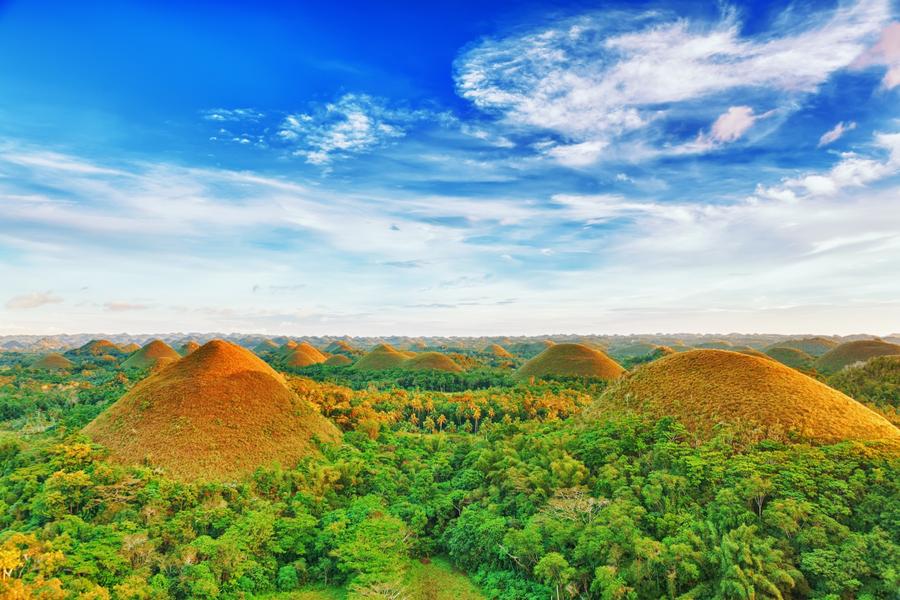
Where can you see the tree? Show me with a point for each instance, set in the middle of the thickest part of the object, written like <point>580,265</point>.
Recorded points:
<point>554,570</point>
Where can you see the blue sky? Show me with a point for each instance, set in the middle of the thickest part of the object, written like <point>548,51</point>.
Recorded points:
<point>466,168</point>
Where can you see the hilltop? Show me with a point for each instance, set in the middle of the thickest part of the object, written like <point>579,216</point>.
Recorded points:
<point>215,414</point>
<point>792,357</point>
<point>814,346</point>
<point>704,388</point>
<point>52,362</point>
<point>498,351</point>
<point>382,356</point>
<point>304,355</point>
<point>96,348</point>
<point>154,354</point>
<point>576,360</point>
<point>851,353</point>
<point>188,347</point>
<point>432,361</point>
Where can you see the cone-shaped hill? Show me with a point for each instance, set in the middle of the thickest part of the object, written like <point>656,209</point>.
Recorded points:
<point>130,347</point>
<point>792,357</point>
<point>851,353</point>
<point>382,356</point>
<point>304,355</point>
<point>704,388</point>
<point>814,346</point>
<point>342,347</point>
<point>574,360</point>
<point>96,348</point>
<point>432,361</point>
<point>53,362</point>
<point>151,355</point>
<point>498,351</point>
<point>338,360</point>
<point>265,347</point>
<point>217,414</point>
<point>188,347</point>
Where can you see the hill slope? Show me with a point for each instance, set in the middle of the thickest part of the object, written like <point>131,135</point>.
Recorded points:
<point>96,348</point>
<point>152,355</point>
<point>792,357</point>
<point>216,414</point>
<point>432,361</point>
<point>574,360</point>
<point>703,388</point>
<point>382,356</point>
<point>814,346</point>
<point>851,353</point>
<point>52,362</point>
<point>304,355</point>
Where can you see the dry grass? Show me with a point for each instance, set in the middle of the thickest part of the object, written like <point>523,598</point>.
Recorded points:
<point>265,347</point>
<point>851,353</point>
<point>574,360</point>
<point>814,346</point>
<point>342,347</point>
<point>498,351</point>
<point>188,348</point>
<point>382,356</point>
<point>304,355</point>
<point>432,361</point>
<point>150,355</point>
<point>130,347</point>
<point>53,362</point>
<point>704,388</point>
<point>214,415</point>
<point>792,357</point>
<point>338,360</point>
<point>97,348</point>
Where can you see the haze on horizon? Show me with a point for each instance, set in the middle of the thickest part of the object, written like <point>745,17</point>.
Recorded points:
<point>475,169</point>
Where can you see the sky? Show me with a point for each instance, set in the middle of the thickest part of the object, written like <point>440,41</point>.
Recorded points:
<point>449,168</point>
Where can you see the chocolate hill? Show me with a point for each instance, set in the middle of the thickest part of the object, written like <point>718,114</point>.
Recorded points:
<point>342,347</point>
<point>96,348</point>
<point>265,347</point>
<point>432,361</point>
<point>498,351</point>
<point>574,360</point>
<point>151,355</point>
<point>304,355</point>
<point>216,414</point>
<point>188,347</point>
<point>130,347</point>
<point>814,346</point>
<point>792,357</point>
<point>851,353</point>
<point>704,388</point>
<point>338,360</point>
<point>52,362</point>
<point>382,356</point>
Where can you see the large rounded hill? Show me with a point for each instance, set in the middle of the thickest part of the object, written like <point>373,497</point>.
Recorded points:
<point>851,353</point>
<point>571,360</point>
<point>704,388</point>
<point>53,362</point>
<point>432,361</point>
<point>814,346</point>
<point>382,356</point>
<point>155,354</point>
<point>304,355</point>
<point>217,414</point>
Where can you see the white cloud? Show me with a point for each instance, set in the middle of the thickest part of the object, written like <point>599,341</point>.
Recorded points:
<point>835,133</point>
<point>352,124</point>
<point>589,82</point>
<point>223,115</point>
<point>887,53</point>
<point>32,300</point>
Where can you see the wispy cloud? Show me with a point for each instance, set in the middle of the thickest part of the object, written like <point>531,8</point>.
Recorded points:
<point>596,79</point>
<point>835,133</point>
<point>235,115</point>
<point>32,300</point>
<point>886,53</point>
<point>124,306</point>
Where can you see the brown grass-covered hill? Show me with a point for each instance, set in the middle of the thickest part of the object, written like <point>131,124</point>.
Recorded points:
<point>498,351</point>
<point>342,347</point>
<point>130,347</point>
<point>850,353</point>
<point>216,414</point>
<point>382,356</point>
<point>265,347</point>
<point>53,362</point>
<point>432,361</point>
<point>574,360</point>
<point>338,360</point>
<point>633,350</point>
<point>96,348</point>
<point>151,355</point>
<point>704,388</point>
<point>715,345</point>
<point>304,355</point>
<point>814,346</point>
<point>188,347</point>
<point>792,357</point>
